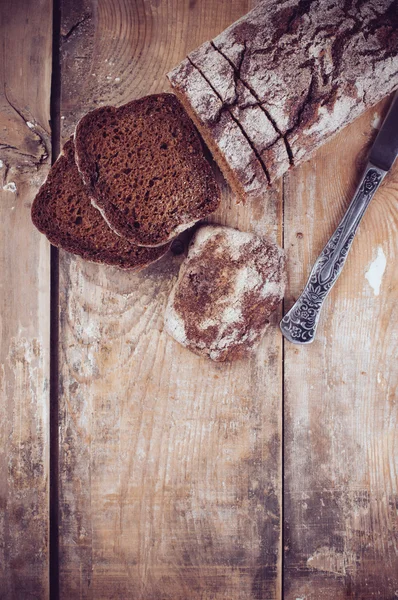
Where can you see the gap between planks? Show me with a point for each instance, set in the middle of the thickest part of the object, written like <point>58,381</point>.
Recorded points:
<point>55,116</point>
<point>282,523</point>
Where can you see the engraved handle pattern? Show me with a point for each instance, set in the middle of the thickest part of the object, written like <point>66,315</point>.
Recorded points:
<point>300,323</point>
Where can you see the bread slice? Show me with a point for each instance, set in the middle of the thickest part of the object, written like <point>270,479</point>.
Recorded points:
<point>144,166</point>
<point>226,290</point>
<point>63,212</point>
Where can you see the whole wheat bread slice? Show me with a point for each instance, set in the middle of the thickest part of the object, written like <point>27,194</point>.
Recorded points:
<point>63,212</point>
<point>145,170</point>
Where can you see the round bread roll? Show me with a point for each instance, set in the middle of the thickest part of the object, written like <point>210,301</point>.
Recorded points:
<point>227,288</point>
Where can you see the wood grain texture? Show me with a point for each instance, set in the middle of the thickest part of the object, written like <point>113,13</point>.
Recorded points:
<point>25,74</point>
<point>170,464</point>
<point>341,454</point>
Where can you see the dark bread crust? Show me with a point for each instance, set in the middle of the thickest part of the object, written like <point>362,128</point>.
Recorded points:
<point>63,212</point>
<point>144,166</point>
<point>290,75</point>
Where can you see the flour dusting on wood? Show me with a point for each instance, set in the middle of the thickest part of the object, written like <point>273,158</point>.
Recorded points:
<point>375,272</point>
<point>10,187</point>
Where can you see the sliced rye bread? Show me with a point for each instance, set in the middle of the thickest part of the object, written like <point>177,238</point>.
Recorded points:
<point>144,167</point>
<point>63,212</point>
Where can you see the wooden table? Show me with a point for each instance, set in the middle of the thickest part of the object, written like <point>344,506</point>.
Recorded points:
<point>134,468</point>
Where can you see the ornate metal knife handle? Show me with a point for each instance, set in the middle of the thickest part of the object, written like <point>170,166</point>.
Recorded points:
<point>300,323</point>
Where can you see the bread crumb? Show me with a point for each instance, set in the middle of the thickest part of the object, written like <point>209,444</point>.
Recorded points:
<point>376,121</point>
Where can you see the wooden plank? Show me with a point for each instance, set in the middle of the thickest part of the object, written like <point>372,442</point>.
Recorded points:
<point>170,464</point>
<point>25,72</point>
<point>340,393</point>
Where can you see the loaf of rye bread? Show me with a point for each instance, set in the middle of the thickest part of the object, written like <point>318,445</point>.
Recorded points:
<point>144,168</point>
<point>226,290</point>
<point>63,212</point>
<point>278,83</point>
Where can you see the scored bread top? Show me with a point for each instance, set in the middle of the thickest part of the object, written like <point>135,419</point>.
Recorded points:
<point>63,212</point>
<point>145,170</point>
<point>273,87</point>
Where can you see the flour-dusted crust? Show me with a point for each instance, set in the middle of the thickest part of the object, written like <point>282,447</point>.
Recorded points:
<point>227,288</point>
<point>221,132</point>
<point>289,75</point>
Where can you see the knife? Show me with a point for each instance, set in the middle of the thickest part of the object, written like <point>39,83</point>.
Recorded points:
<point>300,323</point>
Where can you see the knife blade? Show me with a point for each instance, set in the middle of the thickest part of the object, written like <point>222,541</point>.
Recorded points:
<point>385,147</point>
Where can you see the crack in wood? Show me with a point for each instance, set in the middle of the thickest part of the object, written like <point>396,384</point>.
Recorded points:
<point>37,130</point>
<point>74,27</point>
<point>5,173</point>
<point>27,155</point>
